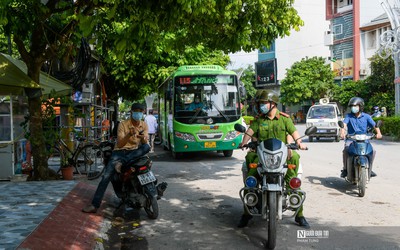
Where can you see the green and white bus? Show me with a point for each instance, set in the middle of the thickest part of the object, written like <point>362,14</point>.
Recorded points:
<point>209,127</point>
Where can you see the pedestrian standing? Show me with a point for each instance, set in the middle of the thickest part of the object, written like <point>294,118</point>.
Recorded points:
<point>151,122</point>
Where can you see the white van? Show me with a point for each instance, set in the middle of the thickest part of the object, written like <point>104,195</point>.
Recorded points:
<point>325,116</point>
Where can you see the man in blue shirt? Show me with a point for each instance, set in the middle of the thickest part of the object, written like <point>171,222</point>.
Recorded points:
<point>197,104</point>
<point>357,122</point>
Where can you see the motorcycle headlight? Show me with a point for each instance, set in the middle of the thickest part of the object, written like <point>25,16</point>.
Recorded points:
<point>231,135</point>
<point>185,136</point>
<point>273,161</point>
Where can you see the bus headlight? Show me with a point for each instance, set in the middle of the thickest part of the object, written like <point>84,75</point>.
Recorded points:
<point>185,136</point>
<point>231,135</point>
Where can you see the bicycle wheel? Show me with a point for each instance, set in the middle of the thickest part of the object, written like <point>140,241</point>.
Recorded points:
<point>89,160</point>
<point>54,161</point>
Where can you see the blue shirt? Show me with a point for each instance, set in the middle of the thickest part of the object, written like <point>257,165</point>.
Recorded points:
<point>358,125</point>
<point>194,106</point>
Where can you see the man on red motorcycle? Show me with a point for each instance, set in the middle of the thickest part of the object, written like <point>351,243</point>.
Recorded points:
<point>132,142</point>
<point>272,123</point>
<point>357,122</point>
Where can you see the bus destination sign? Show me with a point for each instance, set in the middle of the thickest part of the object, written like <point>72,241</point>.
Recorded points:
<point>205,79</point>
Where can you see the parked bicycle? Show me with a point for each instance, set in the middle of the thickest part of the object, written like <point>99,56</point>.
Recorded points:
<point>87,158</point>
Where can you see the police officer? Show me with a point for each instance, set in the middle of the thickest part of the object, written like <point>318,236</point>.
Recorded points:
<point>271,123</point>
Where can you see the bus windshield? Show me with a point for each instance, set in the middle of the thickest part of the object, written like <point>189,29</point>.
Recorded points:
<point>206,99</point>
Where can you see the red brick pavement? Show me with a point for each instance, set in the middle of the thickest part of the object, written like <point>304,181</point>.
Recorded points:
<point>67,227</point>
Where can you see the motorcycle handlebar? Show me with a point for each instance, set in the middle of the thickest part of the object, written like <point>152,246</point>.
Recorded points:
<point>253,145</point>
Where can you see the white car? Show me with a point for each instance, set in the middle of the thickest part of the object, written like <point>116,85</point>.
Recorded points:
<point>325,117</point>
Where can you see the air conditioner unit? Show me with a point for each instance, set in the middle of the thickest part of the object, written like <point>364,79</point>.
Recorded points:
<point>324,100</point>
<point>328,38</point>
<point>363,72</point>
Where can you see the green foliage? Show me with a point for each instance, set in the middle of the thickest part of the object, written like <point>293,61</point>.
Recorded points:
<point>390,126</point>
<point>308,79</point>
<point>247,77</point>
<point>342,94</point>
<point>376,90</point>
<point>380,84</point>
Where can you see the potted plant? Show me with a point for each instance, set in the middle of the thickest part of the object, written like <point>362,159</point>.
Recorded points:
<point>67,170</point>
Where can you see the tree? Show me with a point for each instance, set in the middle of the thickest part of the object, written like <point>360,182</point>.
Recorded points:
<point>376,90</point>
<point>45,29</point>
<point>247,77</point>
<point>381,91</point>
<point>342,94</point>
<point>308,79</point>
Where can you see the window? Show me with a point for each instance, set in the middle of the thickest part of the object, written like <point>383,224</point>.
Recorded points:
<point>371,39</point>
<point>347,53</point>
<point>338,29</point>
<point>5,121</point>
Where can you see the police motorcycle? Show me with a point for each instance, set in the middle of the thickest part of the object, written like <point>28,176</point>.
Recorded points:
<point>360,159</point>
<point>268,197</point>
<point>137,187</point>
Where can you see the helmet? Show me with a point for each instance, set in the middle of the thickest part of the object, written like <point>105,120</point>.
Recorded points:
<point>268,96</point>
<point>137,106</point>
<point>376,108</point>
<point>357,101</point>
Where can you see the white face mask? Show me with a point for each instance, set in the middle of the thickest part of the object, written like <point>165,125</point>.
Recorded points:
<point>355,109</point>
<point>264,109</point>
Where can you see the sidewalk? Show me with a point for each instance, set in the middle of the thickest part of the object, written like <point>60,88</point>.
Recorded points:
<point>47,215</point>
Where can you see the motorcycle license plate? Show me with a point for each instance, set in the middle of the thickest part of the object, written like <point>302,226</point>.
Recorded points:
<point>146,178</point>
<point>210,144</point>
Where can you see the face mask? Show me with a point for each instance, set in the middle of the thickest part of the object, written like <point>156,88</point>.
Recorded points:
<point>137,116</point>
<point>263,108</point>
<point>355,109</point>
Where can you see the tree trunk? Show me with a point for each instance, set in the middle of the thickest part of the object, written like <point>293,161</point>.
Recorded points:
<point>37,140</point>
<point>41,171</point>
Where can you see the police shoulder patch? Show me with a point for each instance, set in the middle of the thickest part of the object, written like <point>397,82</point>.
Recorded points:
<point>284,114</point>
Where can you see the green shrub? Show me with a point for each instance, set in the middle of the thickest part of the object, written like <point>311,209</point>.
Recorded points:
<point>390,126</point>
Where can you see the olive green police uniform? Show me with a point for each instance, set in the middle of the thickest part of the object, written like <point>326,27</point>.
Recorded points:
<point>279,127</point>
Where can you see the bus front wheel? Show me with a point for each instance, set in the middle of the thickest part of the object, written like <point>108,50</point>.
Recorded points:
<point>228,153</point>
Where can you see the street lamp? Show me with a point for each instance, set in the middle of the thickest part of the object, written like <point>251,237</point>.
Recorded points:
<point>390,46</point>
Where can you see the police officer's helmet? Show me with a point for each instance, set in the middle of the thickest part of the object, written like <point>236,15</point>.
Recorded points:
<point>268,96</point>
<point>356,101</point>
<point>136,106</point>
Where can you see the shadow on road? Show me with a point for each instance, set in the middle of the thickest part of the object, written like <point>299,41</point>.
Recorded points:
<point>336,183</point>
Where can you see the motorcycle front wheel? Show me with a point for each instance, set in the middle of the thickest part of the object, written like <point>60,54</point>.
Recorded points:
<point>272,219</point>
<point>362,182</point>
<point>151,207</point>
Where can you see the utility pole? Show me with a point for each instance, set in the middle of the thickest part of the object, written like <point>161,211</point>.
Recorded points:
<point>390,45</point>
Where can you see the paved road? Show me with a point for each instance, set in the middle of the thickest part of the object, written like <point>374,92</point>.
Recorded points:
<point>201,206</point>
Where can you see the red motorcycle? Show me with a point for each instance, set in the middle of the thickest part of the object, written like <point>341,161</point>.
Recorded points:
<point>137,187</point>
